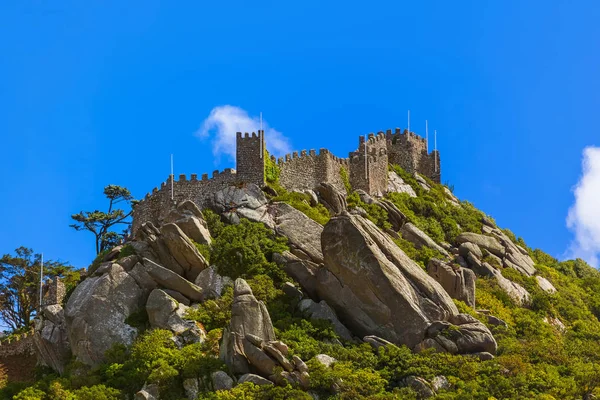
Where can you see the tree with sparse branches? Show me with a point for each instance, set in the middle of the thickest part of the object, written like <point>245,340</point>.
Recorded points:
<point>20,285</point>
<point>101,223</point>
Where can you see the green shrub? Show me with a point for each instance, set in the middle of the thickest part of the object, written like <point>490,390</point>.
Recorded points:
<point>214,222</point>
<point>272,170</point>
<point>301,202</point>
<point>245,249</point>
<point>345,179</point>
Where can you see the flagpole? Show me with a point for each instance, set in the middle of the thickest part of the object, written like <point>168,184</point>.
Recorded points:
<point>260,137</point>
<point>41,279</point>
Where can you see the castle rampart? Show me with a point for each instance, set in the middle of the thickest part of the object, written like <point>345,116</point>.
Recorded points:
<point>307,170</point>
<point>367,168</point>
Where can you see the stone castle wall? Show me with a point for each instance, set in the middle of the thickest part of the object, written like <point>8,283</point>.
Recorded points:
<point>18,357</point>
<point>410,152</point>
<point>298,171</point>
<point>250,153</point>
<point>156,205</point>
<point>370,175</point>
<point>308,170</point>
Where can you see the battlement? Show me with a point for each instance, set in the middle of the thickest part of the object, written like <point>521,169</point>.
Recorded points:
<point>367,168</point>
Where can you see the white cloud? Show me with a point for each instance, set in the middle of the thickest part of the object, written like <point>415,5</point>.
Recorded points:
<point>222,124</point>
<point>584,214</point>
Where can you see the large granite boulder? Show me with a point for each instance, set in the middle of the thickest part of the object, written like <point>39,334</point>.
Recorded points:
<point>211,283</point>
<point>51,338</point>
<point>188,217</point>
<point>96,311</point>
<point>165,312</point>
<point>459,282</point>
<point>171,280</point>
<point>395,217</point>
<point>303,271</point>
<point>397,185</point>
<point>374,287</point>
<point>419,238</point>
<point>248,201</point>
<point>149,244</point>
<point>248,317</point>
<point>545,284</point>
<point>461,334</point>
<point>332,199</point>
<point>488,243</point>
<point>321,310</point>
<point>249,344</point>
<point>183,250</point>
<point>304,234</point>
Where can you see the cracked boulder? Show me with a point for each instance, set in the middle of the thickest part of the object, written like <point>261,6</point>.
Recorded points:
<point>188,217</point>
<point>248,201</point>
<point>96,312</point>
<point>374,287</point>
<point>459,282</point>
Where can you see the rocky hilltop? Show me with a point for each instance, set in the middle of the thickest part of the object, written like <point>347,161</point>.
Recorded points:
<point>322,293</point>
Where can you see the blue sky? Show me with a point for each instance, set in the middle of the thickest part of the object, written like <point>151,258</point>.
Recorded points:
<point>95,93</point>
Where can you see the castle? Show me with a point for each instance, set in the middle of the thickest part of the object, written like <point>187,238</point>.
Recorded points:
<point>366,169</point>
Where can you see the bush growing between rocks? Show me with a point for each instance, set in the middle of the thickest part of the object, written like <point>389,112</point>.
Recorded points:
<point>245,249</point>
<point>301,202</point>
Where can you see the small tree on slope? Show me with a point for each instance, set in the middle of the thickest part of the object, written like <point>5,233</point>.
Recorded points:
<point>101,223</point>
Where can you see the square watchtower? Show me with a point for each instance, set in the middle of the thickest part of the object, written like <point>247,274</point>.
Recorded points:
<point>250,157</point>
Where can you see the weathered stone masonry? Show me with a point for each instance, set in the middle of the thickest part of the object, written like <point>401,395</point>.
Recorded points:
<point>368,170</point>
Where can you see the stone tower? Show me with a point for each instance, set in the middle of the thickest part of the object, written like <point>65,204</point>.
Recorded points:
<point>250,157</point>
<point>370,172</point>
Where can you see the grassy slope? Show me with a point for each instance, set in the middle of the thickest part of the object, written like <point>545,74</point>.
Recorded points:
<point>535,359</point>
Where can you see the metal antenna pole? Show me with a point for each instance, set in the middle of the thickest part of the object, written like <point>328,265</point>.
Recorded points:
<point>41,279</point>
<point>172,178</point>
<point>408,123</point>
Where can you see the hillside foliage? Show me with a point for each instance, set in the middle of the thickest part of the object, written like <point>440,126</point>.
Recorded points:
<point>548,350</point>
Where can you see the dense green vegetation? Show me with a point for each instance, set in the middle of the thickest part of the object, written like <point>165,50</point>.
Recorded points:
<point>550,350</point>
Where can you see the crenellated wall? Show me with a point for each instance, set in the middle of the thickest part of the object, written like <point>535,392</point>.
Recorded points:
<point>156,205</point>
<point>409,151</point>
<point>308,170</point>
<point>298,171</point>
<point>370,175</point>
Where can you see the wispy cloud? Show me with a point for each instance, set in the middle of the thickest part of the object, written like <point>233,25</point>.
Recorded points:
<point>584,214</point>
<point>224,121</point>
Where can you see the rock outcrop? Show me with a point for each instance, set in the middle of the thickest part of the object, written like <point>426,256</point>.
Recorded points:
<point>332,199</point>
<point>304,234</point>
<point>374,287</point>
<point>51,338</point>
<point>173,281</point>
<point>249,344</point>
<point>397,184</point>
<point>459,282</point>
<point>184,251</point>
<point>321,310</point>
<point>188,217</point>
<point>248,201</point>
<point>211,283</point>
<point>96,312</point>
<point>420,238</point>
